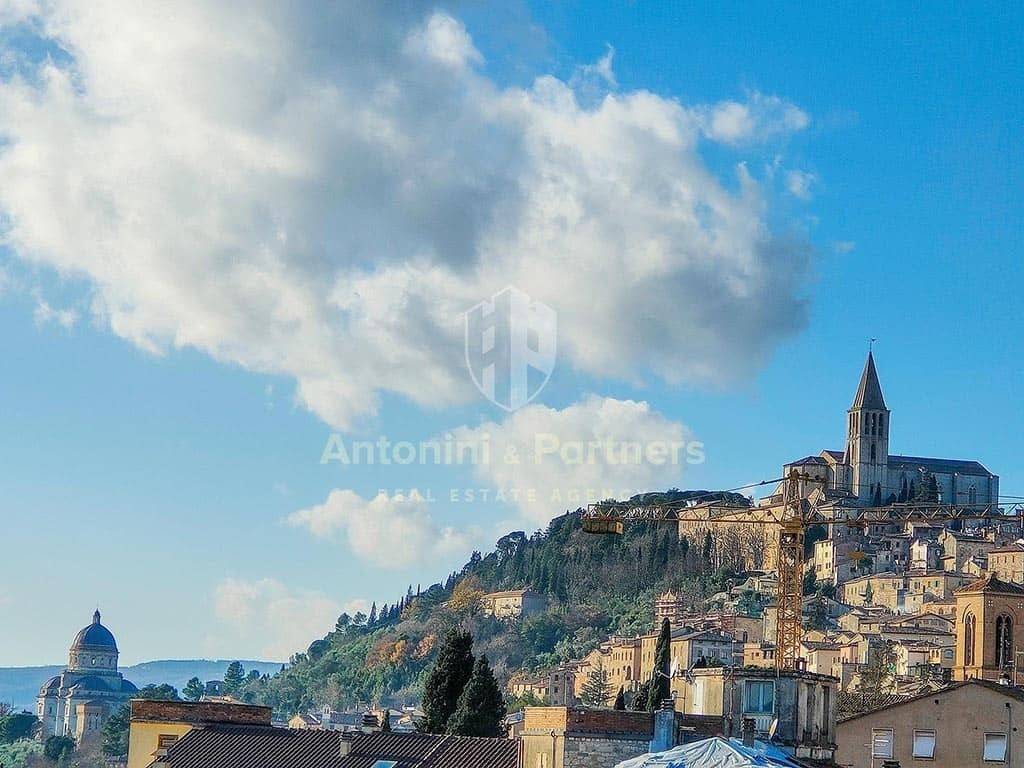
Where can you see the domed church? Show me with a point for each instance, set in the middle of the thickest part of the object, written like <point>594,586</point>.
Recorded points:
<point>78,701</point>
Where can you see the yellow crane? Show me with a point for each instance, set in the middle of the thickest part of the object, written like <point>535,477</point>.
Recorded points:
<point>793,514</point>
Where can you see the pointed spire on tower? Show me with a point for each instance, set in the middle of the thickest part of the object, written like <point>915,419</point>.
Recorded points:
<point>869,392</point>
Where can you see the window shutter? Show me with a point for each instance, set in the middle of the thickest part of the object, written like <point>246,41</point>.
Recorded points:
<point>881,743</point>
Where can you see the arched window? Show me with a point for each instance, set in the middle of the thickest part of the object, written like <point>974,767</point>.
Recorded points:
<point>972,495</point>
<point>1004,641</point>
<point>872,453</point>
<point>881,424</point>
<point>969,626</point>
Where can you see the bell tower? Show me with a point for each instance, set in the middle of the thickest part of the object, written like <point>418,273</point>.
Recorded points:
<point>867,438</point>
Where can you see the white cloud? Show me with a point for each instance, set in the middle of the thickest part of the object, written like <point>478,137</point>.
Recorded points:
<point>549,460</point>
<point>591,82</point>
<point>45,314</point>
<point>444,40</point>
<point>269,620</point>
<point>319,192</point>
<point>389,531</point>
<point>843,246</point>
<point>799,183</point>
<point>760,118</point>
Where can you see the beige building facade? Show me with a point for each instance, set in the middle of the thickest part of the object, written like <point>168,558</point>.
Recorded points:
<point>513,603</point>
<point>975,724</point>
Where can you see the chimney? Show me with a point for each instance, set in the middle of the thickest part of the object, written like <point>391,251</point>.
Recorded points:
<point>664,729</point>
<point>345,742</point>
<point>748,732</point>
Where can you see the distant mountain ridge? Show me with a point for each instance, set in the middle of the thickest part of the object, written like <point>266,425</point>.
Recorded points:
<point>19,685</point>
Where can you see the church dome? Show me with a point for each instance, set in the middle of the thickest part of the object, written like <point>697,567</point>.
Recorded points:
<point>94,636</point>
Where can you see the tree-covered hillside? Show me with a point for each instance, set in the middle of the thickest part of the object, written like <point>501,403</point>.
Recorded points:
<point>596,586</point>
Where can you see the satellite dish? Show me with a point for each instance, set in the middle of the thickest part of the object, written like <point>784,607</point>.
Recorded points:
<point>773,728</point>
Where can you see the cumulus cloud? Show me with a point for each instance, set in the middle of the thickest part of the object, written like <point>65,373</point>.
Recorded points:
<point>393,531</point>
<point>544,460</point>
<point>760,118</point>
<point>320,190</point>
<point>269,620</point>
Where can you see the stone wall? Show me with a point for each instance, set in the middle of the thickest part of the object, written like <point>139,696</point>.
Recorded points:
<point>601,752</point>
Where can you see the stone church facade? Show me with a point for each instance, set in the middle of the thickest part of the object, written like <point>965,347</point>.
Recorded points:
<point>865,473</point>
<point>78,701</point>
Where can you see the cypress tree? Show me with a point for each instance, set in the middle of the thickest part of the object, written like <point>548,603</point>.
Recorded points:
<point>660,688</point>
<point>620,700</point>
<point>446,680</point>
<point>481,707</point>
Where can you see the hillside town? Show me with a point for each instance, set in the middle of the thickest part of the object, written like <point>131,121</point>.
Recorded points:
<point>906,627</point>
<point>511,384</point>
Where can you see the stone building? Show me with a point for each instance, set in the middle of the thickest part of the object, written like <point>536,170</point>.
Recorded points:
<point>970,725</point>
<point>867,473</point>
<point>989,616</point>
<point>798,708</point>
<point>563,737</point>
<point>670,606</point>
<point>79,700</point>
<point>1007,563</point>
<point>555,687</point>
<point>513,603</point>
<point>629,661</point>
<point>158,725</point>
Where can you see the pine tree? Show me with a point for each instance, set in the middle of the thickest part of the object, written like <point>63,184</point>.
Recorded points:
<point>373,614</point>
<point>194,689</point>
<point>114,736</point>
<point>233,677</point>
<point>597,689</point>
<point>660,682</point>
<point>446,680</point>
<point>481,707</point>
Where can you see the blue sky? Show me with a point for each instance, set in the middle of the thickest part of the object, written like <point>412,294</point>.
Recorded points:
<point>154,446</point>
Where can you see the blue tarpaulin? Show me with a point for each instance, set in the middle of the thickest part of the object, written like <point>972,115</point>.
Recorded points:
<point>715,753</point>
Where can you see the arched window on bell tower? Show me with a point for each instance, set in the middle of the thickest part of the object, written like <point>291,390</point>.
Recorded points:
<point>969,627</point>
<point>1004,641</point>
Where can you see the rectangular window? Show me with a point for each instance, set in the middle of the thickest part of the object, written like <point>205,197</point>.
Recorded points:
<point>924,744</point>
<point>881,743</point>
<point>164,740</point>
<point>760,697</point>
<point>995,748</point>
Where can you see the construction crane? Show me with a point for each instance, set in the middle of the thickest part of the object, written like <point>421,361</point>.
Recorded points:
<point>792,514</point>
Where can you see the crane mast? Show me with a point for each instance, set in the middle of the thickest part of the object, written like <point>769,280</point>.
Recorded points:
<point>793,514</point>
